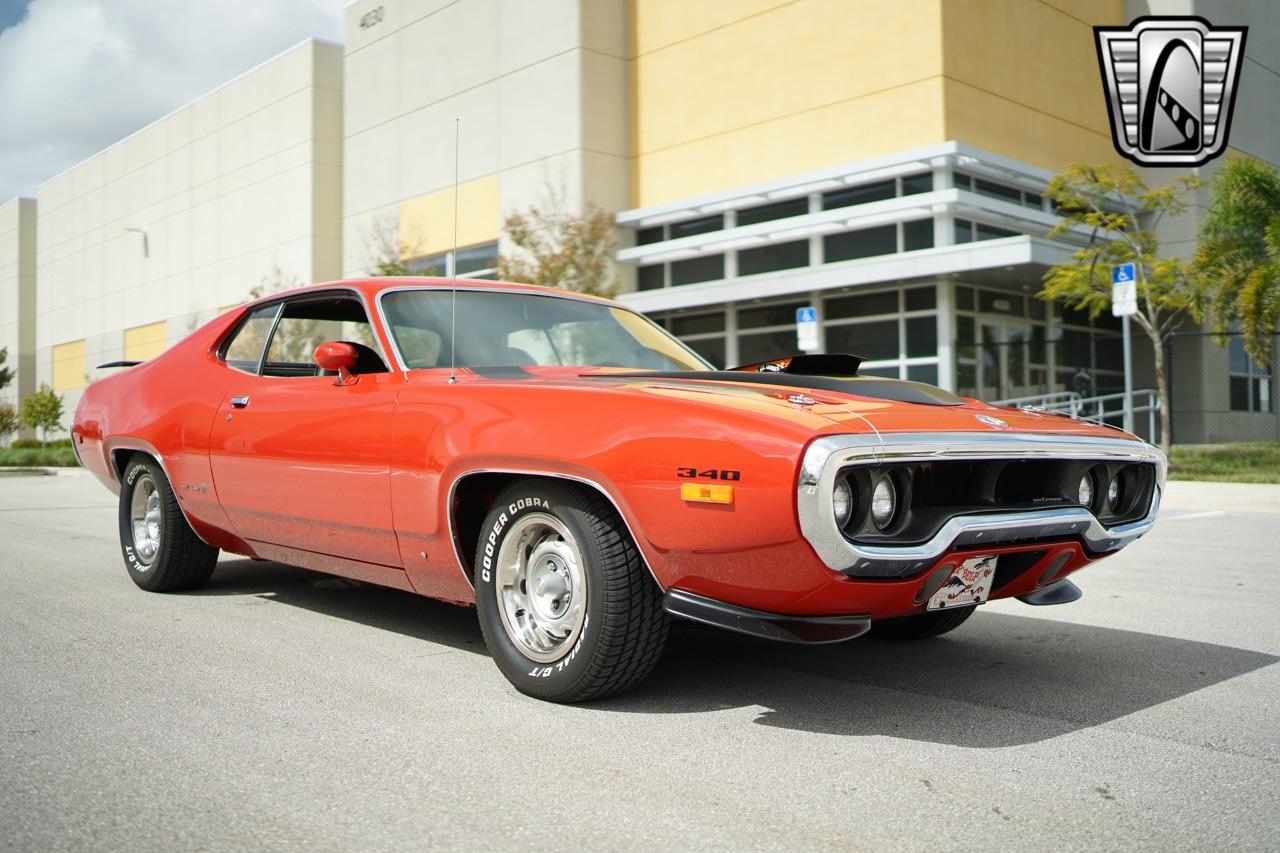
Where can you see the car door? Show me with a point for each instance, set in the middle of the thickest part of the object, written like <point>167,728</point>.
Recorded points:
<point>299,458</point>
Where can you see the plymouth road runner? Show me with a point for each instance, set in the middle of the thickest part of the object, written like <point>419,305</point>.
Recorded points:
<point>581,477</point>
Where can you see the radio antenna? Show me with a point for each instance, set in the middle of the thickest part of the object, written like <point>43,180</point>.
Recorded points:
<point>453,308</point>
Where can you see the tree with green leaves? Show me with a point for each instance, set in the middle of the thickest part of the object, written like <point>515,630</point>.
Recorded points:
<point>1240,253</point>
<point>9,422</point>
<point>6,373</point>
<point>43,411</point>
<point>1122,214</point>
<point>556,248</point>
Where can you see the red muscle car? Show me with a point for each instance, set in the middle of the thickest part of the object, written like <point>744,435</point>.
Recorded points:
<point>580,476</point>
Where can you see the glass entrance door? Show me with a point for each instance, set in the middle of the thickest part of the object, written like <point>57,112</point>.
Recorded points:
<point>1004,355</point>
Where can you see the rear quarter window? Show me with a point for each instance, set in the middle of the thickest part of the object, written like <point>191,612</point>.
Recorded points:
<point>243,350</point>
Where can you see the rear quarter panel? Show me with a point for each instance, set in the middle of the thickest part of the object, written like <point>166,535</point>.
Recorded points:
<point>163,407</point>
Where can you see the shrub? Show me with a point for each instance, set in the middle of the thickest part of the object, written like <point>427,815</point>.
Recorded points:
<point>35,442</point>
<point>58,457</point>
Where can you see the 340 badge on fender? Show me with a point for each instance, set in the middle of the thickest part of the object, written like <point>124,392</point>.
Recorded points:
<point>709,474</point>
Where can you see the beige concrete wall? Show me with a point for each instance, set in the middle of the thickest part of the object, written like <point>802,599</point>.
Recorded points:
<point>18,295</point>
<point>540,87</point>
<point>240,182</point>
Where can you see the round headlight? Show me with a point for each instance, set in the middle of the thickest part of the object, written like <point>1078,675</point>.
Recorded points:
<point>842,502</point>
<point>1113,492</point>
<point>1085,494</point>
<point>884,503</point>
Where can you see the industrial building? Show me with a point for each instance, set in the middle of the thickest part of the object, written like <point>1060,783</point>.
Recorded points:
<point>882,162</point>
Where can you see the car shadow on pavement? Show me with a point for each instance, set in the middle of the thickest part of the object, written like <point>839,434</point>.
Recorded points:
<point>998,680</point>
<point>367,604</point>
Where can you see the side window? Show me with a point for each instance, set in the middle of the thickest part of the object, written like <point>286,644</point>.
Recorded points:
<point>307,323</point>
<point>244,350</point>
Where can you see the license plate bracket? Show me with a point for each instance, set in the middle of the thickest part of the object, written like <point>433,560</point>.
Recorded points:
<point>969,584</point>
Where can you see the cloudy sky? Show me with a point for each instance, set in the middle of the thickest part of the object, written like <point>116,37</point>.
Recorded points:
<point>77,75</point>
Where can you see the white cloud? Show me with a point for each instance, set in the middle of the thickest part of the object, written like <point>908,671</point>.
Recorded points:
<point>77,75</point>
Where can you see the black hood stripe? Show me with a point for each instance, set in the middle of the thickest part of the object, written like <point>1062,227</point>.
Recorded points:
<point>873,387</point>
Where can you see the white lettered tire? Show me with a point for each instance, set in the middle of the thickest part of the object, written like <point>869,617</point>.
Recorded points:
<point>566,604</point>
<point>161,551</point>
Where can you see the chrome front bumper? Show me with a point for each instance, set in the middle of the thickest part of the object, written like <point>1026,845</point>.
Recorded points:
<point>826,457</point>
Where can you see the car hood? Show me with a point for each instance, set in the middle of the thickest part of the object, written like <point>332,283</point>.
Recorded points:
<point>817,404</point>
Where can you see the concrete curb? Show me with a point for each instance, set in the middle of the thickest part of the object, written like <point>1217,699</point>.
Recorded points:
<point>46,470</point>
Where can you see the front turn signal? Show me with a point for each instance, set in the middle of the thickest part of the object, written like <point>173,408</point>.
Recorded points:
<point>706,494</point>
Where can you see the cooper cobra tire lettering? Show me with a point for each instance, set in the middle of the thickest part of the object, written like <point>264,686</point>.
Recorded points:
<point>616,645</point>
<point>180,560</point>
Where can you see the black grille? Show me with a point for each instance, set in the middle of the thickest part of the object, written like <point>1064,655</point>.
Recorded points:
<point>931,493</point>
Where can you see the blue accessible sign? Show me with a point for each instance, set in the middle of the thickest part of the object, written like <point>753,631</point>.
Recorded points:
<point>1124,290</point>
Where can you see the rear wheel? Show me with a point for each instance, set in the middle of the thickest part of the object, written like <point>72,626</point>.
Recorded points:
<point>922,625</point>
<point>161,551</point>
<point>566,605</point>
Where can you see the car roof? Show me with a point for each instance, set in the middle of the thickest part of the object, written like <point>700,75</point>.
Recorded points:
<point>371,287</point>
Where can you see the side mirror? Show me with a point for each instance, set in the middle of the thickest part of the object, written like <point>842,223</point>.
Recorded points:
<point>339,358</point>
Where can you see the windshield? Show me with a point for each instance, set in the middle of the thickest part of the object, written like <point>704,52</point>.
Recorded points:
<point>497,328</point>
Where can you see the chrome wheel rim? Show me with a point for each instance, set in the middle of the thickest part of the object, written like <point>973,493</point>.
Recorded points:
<point>540,587</point>
<point>145,517</point>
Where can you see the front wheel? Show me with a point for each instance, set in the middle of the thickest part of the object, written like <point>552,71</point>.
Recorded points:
<point>161,551</point>
<point>566,605</point>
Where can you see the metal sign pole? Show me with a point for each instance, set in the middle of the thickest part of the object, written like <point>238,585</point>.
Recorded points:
<point>1128,377</point>
<point>1124,301</point>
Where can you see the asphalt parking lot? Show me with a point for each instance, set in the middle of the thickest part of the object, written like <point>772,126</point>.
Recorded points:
<point>282,709</point>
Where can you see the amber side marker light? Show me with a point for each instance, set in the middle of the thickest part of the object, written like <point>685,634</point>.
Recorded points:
<point>699,493</point>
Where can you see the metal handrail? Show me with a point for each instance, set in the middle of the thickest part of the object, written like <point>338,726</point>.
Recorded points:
<point>1097,408</point>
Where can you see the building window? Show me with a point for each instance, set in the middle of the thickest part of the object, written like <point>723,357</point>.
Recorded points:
<point>1250,383</point>
<point>773,257</point>
<point>472,262</point>
<point>763,346</point>
<point>917,235</point>
<point>650,277</point>
<point>696,226</point>
<point>882,240</point>
<point>982,231</point>
<point>967,231</point>
<point>646,236</point>
<point>703,333</point>
<point>694,270</point>
<point>769,315</point>
<point>895,330</point>
<point>776,210</point>
<point>862,305</point>
<point>913,184</point>
<point>1003,192</point>
<point>878,191</point>
<point>921,298</point>
<point>874,341</point>
<point>922,336</point>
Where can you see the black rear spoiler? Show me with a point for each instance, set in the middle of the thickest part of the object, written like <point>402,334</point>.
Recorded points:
<point>118,364</point>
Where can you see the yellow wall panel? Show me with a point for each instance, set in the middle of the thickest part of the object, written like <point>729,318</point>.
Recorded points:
<point>663,22</point>
<point>1029,74</point>
<point>861,72</point>
<point>426,222</point>
<point>145,342</point>
<point>877,124</point>
<point>68,366</point>
<point>1006,127</point>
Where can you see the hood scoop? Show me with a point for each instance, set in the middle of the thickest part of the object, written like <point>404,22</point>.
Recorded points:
<point>835,372</point>
<point>825,364</point>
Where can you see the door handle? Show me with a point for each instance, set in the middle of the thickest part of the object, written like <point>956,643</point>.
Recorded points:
<point>240,402</point>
